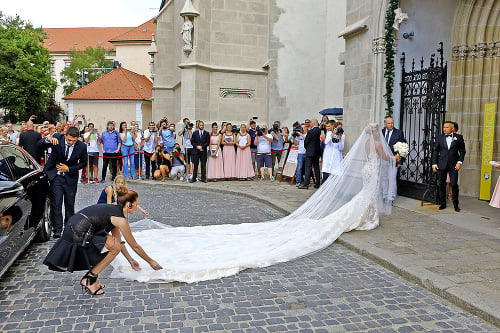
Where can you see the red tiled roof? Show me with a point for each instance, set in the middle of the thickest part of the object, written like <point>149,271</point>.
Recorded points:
<point>65,39</point>
<point>140,33</point>
<point>119,84</point>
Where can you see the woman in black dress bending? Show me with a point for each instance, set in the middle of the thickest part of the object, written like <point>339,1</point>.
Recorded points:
<point>86,244</point>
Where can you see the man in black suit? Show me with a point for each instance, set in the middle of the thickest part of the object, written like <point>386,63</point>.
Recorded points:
<point>447,158</point>
<point>392,135</point>
<point>29,141</point>
<point>68,156</point>
<point>200,141</point>
<point>313,153</point>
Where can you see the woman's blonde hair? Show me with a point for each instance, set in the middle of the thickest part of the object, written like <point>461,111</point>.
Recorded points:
<point>117,193</point>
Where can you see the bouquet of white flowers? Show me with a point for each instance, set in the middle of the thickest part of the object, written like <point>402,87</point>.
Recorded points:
<point>401,148</point>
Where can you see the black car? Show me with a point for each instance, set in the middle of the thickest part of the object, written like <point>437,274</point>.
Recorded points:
<point>24,203</point>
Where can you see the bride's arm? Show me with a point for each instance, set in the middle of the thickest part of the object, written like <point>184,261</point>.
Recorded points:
<point>381,152</point>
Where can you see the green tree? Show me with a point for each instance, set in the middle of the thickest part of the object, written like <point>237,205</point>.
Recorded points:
<point>25,80</point>
<point>89,58</point>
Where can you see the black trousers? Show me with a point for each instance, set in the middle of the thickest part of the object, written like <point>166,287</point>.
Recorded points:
<point>149,163</point>
<point>442,185</point>
<point>62,189</point>
<point>107,159</point>
<point>200,157</point>
<point>312,162</point>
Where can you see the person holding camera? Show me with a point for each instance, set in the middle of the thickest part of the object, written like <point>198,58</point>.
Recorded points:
<point>263,142</point>
<point>299,134</point>
<point>88,245</point>
<point>110,146</point>
<point>332,153</point>
<point>92,139</point>
<point>150,143</point>
<point>186,133</point>
<point>177,161</point>
<point>277,144</point>
<point>167,135</point>
<point>162,159</point>
<point>229,156</point>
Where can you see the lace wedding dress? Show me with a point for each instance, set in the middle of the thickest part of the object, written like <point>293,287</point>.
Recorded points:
<point>351,200</point>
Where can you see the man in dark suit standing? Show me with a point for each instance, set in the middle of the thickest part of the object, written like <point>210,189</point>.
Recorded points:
<point>313,153</point>
<point>392,135</point>
<point>447,158</point>
<point>68,156</point>
<point>29,141</point>
<point>200,141</point>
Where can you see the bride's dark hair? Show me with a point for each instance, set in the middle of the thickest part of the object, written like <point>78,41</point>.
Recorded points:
<point>128,196</point>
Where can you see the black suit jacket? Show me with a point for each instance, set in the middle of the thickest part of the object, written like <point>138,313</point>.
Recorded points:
<point>312,142</point>
<point>29,141</point>
<point>202,141</point>
<point>77,160</point>
<point>443,157</point>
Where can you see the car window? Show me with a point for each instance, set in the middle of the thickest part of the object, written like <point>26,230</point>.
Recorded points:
<point>20,163</point>
<point>5,173</point>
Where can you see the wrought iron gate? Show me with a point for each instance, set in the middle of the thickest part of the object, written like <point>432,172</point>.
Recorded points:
<point>423,102</point>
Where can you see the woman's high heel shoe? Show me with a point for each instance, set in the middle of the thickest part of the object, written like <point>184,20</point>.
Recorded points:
<point>90,278</point>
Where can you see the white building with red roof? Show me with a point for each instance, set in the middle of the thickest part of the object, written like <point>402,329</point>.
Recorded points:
<point>120,95</point>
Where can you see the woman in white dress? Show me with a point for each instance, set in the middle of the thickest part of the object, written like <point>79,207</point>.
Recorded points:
<point>191,254</point>
<point>332,153</point>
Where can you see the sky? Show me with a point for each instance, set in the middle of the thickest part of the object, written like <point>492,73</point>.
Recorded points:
<point>88,13</point>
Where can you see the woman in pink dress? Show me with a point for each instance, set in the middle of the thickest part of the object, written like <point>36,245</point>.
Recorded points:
<point>229,156</point>
<point>244,168</point>
<point>215,162</point>
<point>495,198</point>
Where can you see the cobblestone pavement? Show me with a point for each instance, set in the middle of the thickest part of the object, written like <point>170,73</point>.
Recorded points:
<point>334,290</point>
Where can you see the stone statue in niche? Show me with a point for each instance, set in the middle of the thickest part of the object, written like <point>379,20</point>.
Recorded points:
<point>187,35</point>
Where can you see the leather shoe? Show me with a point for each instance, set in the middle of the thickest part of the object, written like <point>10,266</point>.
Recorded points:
<point>442,207</point>
<point>193,180</point>
<point>303,187</point>
<point>316,186</point>
<point>57,234</point>
<point>203,180</point>
<point>457,209</point>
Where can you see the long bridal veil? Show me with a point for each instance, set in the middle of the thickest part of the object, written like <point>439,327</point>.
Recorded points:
<point>351,199</point>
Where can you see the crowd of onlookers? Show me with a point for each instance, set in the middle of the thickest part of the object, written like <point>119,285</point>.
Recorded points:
<point>160,151</point>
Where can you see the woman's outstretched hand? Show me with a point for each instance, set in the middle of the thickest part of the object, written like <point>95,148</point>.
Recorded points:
<point>154,265</point>
<point>135,265</point>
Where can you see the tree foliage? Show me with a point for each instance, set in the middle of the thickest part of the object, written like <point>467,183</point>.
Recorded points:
<point>25,81</point>
<point>89,58</point>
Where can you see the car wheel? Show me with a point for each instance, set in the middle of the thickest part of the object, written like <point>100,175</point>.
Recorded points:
<point>45,230</point>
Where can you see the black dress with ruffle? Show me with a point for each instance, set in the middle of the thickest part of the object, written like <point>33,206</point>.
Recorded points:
<point>68,254</point>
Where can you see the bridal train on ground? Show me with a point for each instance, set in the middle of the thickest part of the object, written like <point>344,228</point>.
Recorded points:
<point>352,199</point>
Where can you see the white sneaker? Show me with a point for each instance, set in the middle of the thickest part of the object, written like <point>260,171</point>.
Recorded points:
<point>181,179</point>
<point>271,178</point>
<point>261,178</point>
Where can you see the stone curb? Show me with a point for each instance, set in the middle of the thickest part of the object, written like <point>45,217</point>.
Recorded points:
<point>435,283</point>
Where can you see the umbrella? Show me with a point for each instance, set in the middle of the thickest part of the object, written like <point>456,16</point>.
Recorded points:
<point>332,112</point>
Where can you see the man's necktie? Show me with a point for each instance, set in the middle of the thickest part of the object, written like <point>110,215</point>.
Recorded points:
<point>201,133</point>
<point>66,153</point>
<point>387,136</point>
<point>449,136</point>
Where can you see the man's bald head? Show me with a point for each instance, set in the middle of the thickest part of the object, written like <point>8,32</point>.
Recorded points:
<point>314,122</point>
<point>30,125</point>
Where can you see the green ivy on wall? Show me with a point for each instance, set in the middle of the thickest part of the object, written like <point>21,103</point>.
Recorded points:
<point>389,67</point>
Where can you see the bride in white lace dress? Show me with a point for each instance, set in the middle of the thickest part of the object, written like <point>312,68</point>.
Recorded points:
<point>350,200</point>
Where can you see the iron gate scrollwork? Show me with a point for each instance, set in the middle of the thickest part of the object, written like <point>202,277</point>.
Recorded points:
<point>423,107</point>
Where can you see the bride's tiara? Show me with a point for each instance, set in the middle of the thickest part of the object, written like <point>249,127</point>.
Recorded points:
<point>372,127</point>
